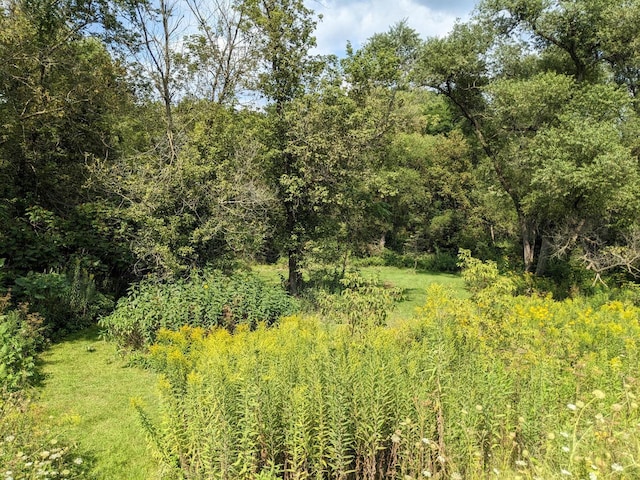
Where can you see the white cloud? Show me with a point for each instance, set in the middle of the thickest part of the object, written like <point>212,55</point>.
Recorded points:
<point>358,20</point>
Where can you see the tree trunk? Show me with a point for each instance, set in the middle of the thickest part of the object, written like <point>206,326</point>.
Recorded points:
<point>528,232</point>
<point>543,257</point>
<point>295,245</point>
<point>295,277</point>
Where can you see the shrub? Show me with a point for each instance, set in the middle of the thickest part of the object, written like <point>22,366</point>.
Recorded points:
<point>359,302</point>
<point>207,300</point>
<point>68,301</point>
<point>20,338</point>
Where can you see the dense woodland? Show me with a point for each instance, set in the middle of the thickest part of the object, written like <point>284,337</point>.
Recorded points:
<point>147,139</point>
<point>153,152</point>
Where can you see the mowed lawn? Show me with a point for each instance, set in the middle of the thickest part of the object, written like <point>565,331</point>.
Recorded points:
<point>413,284</point>
<point>86,395</point>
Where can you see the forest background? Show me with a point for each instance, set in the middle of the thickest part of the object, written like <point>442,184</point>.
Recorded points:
<point>128,150</point>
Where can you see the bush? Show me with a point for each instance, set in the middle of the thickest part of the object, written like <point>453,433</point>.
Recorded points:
<point>206,300</point>
<point>20,338</point>
<point>359,302</point>
<point>68,301</point>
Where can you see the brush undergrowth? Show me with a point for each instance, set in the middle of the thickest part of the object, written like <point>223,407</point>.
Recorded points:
<point>207,299</point>
<point>524,387</point>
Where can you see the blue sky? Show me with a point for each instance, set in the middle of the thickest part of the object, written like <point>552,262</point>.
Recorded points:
<point>357,20</point>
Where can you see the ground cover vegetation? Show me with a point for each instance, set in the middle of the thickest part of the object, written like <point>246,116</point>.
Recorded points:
<point>153,152</point>
<point>496,384</point>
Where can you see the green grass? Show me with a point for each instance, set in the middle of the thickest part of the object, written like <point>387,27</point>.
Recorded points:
<point>87,392</point>
<point>413,284</point>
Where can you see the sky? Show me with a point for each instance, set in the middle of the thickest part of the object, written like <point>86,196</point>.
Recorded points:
<point>357,20</point>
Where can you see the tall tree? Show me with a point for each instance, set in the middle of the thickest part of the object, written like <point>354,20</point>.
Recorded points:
<point>220,57</point>
<point>284,35</point>
<point>160,26</point>
<point>514,91</point>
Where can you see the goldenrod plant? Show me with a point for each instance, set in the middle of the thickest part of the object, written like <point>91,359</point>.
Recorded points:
<point>540,389</point>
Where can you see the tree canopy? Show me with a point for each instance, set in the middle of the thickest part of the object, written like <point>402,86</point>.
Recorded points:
<point>145,145</point>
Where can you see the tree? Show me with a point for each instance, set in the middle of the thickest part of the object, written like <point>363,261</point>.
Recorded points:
<point>159,31</point>
<point>517,98</point>
<point>220,58</point>
<point>60,94</point>
<point>284,34</point>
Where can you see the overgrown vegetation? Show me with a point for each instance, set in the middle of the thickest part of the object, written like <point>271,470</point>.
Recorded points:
<point>130,170</point>
<point>20,340</point>
<point>205,300</point>
<point>521,385</point>
<point>29,451</point>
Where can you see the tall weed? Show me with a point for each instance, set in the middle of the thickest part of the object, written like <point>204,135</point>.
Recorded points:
<point>206,300</point>
<point>531,388</point>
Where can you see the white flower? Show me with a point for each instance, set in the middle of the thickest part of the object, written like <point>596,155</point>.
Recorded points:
<point>565,449</point>
<point>456,476</point>
<point>593,476</point>
<point>426,473</point>
<point>521,463</point>
<point>9,438</point>
<point>77,461</point>
<point>571,406</point>
<point>426,441</point>
<point>599,394</point>
<point>616,467</point>
<point>566,473</point>
<point>564,434</point>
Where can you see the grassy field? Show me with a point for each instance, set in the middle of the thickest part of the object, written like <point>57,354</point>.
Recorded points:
<point>413,284</point>
<point>87,394</point>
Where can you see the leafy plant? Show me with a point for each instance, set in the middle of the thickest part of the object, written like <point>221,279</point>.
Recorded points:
<point>206,300</point>
<point>20,339</point>
<point>68,301</point>
<point>360,302</point>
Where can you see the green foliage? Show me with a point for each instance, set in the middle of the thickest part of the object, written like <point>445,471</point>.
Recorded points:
<point>67,301</point>
<point>20,339</point>
<point>206,300</point>
<point>29,451</point>
<point>462,389</point>
<point>360,302</point>
<point>483,277</point>
<point>426,262</point>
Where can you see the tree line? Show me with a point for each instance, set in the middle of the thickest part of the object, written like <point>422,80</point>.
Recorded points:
<point>151,137</point>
